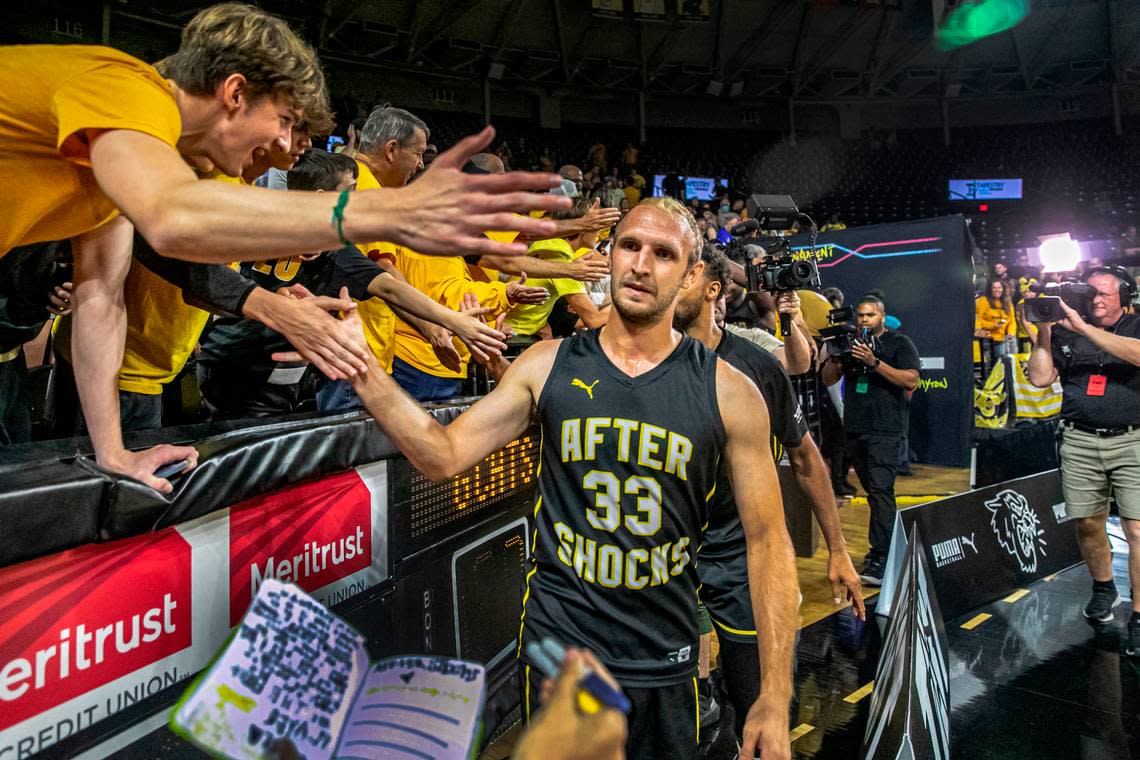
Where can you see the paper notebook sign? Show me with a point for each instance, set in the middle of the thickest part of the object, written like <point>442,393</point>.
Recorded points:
<point>294,671</point>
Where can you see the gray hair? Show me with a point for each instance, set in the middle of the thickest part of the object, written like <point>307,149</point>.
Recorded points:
<point>386,123</point>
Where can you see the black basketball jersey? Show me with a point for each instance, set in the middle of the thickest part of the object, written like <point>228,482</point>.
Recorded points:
<point>724,537</point>
<point>628,466</point>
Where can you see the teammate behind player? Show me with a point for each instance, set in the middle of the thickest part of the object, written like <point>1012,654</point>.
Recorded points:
<point>635,418</point>
<point>723,566</point>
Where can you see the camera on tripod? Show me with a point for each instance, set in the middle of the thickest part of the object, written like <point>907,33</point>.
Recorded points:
<point>780,270</point>
<point>1077,296</point>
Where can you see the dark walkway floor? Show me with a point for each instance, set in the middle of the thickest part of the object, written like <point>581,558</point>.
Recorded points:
<point>1033,680</point>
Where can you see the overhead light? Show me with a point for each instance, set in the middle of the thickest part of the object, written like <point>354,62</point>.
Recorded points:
<point>1059,253</point>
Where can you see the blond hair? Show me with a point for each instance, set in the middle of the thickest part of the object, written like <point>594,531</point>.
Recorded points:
<point>681,213</point>
<point>234,38</point>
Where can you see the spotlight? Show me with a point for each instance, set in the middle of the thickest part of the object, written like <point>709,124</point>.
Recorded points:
<point>1059,254</point>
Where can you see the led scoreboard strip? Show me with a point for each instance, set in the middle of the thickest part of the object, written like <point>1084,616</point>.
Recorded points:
<point>423,513</point>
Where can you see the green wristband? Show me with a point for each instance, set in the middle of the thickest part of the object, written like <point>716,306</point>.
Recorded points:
<point>338,217</point>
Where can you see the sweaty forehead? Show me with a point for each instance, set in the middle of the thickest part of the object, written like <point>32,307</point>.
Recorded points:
<point>653,225</point>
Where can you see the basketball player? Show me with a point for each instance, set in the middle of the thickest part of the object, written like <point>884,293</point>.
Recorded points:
<point>635,418</point>
<point>723,567</point>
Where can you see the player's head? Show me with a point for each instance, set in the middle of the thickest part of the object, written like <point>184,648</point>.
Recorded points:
<point>698,298</point>
<point>322,171</point>
<point>655,248</point>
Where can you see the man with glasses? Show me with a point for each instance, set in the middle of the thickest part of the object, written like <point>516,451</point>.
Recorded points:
<point>1096,361</point>
<point>878,377</point>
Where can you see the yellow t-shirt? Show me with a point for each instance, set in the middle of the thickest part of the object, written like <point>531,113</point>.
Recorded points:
<point>444,280</point>
<point>53,100</point>
<point>814,308</point>
<point>632,194</point>
<point>527,319</point>
<point>377,317</point>
<point>996,321</point>
<point>162,329</point>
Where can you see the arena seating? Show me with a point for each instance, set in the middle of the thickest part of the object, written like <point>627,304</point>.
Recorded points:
<point>1087,186</point>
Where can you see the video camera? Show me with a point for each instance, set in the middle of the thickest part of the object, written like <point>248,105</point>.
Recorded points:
<point>1077,296</point>
<point>780,271</point>
<point>841,334</point>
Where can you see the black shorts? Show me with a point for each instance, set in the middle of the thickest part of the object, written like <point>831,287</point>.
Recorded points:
<point>663,720</point>
<point>724,592</point>
<point>740,669</point>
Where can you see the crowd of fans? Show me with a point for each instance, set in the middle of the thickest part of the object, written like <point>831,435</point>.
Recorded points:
<point>203,341</point>
<point>205,331</point>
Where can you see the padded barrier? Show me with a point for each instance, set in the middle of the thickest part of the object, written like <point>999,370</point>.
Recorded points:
<point>54,497</point>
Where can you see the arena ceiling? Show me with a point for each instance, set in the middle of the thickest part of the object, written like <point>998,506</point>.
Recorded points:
<point>746,48</point>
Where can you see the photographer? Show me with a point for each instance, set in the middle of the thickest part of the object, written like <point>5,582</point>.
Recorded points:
<point>1096,361</point>
<point>878,375</point>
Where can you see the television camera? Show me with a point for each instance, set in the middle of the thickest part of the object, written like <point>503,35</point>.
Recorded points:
<point>768,262</point>
<point>1046,307</point>
<point>841,334</point>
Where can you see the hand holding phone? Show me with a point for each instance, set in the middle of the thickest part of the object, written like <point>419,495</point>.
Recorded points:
<point>172,469</point>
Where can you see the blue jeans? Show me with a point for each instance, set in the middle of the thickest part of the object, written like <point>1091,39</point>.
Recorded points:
<point>337,396</point>
<point>424,387</point>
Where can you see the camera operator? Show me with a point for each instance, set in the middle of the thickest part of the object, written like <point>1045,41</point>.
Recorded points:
<point>878,375</point>
<point>1096,361</point>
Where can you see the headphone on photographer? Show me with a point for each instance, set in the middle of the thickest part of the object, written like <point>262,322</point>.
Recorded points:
<point>1127,281</point>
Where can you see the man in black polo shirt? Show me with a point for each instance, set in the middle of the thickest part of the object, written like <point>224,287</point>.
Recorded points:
<point>1096,362</point>
<point>877,381</point>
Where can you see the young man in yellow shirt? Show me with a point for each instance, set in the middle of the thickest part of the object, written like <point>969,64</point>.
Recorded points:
<point>525,320</point>
<point>87,132</point>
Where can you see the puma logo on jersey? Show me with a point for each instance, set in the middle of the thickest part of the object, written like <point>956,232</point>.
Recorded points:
<point>576,383</point>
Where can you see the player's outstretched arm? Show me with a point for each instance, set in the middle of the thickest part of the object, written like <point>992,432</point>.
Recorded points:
<point>771,562</point>
<point>444,212</point>
<point>440,451</point>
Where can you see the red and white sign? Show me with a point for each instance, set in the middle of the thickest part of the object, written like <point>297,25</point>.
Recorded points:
<point>88,632</point>
<point>83,618</point>
<point>313,535</point>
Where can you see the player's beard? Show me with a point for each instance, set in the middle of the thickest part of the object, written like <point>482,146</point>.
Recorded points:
<point>686,313</point>
<point>639,314</point>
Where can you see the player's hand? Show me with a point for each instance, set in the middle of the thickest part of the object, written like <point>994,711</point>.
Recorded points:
<point>519,292</point>
<point>598,218</point>
<point>59,299</point>
<point>841,574</point>
<point>863,353</point>
<point>482,340</point>
<point>788,302</point>
<point>562,730</point>
<point>766,731</point>
<point>336,349</point>
<point>590,268</point>
<point>141,465</point>
<point>445,211</point>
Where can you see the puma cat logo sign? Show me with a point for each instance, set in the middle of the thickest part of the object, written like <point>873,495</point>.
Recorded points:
<point>576,383</point>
